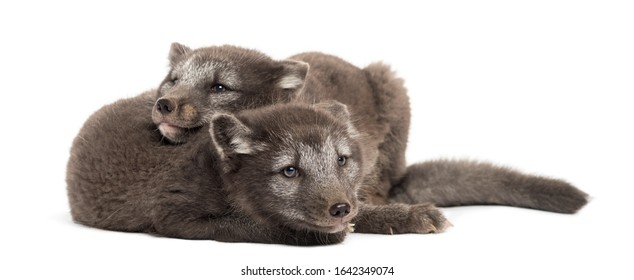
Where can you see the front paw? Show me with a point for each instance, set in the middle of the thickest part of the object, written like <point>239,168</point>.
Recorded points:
<point>401,218</point>
<point>421,218</point>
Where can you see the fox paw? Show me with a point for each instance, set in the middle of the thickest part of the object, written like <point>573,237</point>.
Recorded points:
<point>401,218</point>
<point>420,218</point>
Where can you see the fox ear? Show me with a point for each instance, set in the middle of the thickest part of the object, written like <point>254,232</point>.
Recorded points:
<point>335,108</point>
<point>340,112</point>
<point>230,136</point>
<point>178,53</point>
<point>293,75</point>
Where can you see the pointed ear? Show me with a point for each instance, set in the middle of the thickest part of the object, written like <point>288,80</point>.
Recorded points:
<point>178,53</point>
<point>340,112</point>
<point>335,108</point>
<point>293,74</point>
<point>230,136</point>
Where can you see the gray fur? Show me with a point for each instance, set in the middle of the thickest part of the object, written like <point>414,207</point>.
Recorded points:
<point>460,182</point>
<point>188,88</point>
<point>297,202</point>
<point>204,189</point>
<point>310,140</point>
<point>121,176</point>
<point>376,99</point>
<point>379,109</point>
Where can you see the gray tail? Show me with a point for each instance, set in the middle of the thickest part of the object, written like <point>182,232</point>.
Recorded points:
<point>460,182</point>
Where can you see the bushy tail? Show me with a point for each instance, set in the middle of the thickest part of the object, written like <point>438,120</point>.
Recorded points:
<point>460,182</point>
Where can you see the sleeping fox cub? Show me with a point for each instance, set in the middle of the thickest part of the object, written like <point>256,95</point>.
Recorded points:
<point>333,157</point>
<point>282,174</point>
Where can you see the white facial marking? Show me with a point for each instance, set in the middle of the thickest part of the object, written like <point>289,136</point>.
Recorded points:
<point>283,160</point>
<point>229,78</point>
<point>241,146</point>
<point>342,147</point>
<point>290,82</point>
<point>195,70</point>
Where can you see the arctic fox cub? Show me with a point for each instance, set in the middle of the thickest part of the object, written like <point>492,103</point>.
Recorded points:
<point>229,78</point>
<point>283,174</point>
<point>134,159</point>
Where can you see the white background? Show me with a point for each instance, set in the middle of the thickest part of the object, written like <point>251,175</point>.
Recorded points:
<point>543,86</point>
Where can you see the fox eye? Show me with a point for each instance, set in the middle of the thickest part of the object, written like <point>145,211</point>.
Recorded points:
<point>218,88</point>
<point>172,82</point>
<point>342,160</point>
<point>290,172</point>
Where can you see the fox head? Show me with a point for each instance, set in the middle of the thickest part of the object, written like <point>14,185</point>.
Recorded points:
<point>292,165</point>
<point>220,79</point>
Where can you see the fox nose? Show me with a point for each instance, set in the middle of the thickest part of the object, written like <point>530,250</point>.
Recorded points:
<point>164,106</point>
<point>340,210</point>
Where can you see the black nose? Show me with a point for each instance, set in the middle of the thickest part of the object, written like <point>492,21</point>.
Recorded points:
<point>340,210</point>
<point>164,106</point>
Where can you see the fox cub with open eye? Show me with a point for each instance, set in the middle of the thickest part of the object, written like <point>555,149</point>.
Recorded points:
<point>231,79</point>
<point>128,153</point>
<point>301,167</point>
<point>145,164</point>
<point>289,174</point>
